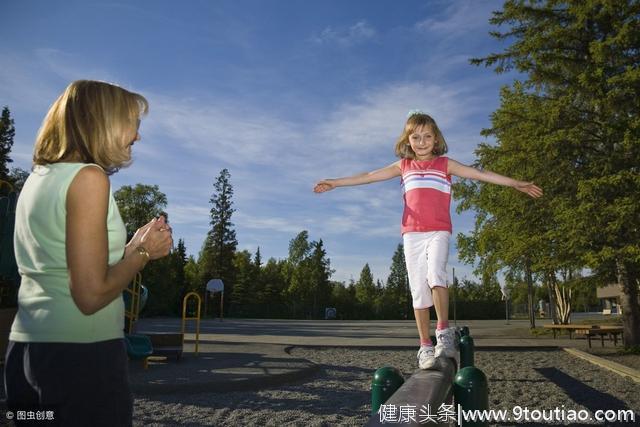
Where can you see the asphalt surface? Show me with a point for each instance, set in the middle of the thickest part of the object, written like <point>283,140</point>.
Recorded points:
<point>247,354</point>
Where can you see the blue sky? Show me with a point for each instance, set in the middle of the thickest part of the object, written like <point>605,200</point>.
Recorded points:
<point>280,92</point>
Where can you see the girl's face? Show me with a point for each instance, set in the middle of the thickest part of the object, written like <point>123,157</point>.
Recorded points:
<point>422,141</point>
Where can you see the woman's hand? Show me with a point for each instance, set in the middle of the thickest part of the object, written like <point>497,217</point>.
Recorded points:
<point>528,188</point>
<point>135,240</point>
<point>156,237</point>
<point>324,186</point>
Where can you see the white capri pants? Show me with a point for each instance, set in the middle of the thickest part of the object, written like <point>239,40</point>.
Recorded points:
<point>426,256</point>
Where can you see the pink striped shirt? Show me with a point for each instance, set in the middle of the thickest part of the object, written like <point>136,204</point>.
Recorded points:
<point>427,195</point>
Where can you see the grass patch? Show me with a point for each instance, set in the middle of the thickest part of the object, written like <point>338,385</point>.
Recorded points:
<point>540,332</point>
<point>635,350</point>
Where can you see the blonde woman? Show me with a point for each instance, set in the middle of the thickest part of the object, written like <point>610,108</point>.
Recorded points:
<point>66,352</point>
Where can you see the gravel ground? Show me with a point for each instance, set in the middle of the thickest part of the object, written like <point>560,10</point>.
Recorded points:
<point>339,393</point>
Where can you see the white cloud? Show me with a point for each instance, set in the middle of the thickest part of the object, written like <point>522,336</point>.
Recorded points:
<point>459,18</point>
<point>346,37</point>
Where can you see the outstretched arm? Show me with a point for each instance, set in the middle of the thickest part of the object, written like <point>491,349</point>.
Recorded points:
<point>383,174</point>
<point>458,169</point>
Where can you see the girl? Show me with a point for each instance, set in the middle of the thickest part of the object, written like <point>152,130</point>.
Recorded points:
<point>426,222</point>
<point>66,351</point>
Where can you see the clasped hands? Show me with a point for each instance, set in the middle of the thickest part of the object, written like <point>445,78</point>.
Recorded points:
<point>155,236</point>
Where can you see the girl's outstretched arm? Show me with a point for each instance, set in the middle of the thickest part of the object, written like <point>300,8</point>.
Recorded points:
<point>383,174</point>
<point>458,169</point>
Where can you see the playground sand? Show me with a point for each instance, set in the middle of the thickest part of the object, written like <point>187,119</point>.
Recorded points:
<point>339,394</point>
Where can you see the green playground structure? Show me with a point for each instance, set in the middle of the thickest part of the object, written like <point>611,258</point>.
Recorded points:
<point>139,346</point>
<point>426,390</point>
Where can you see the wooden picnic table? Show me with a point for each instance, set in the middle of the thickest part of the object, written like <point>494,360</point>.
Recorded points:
<point>589,331</point>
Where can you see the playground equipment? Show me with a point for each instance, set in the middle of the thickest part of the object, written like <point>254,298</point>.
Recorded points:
<point>213,286</point>
<point>424,390</point>
<point>385,382</point>
<point>471,391</point>
<point>135,297</point>
<point>466,351</point>
<point>139,346</point>
<point>186,316</point>
<point>431,393</point>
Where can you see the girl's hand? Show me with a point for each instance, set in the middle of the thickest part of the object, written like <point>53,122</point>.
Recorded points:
<point>155,237</point>
<point>529,188</point>
<point>324,186</point>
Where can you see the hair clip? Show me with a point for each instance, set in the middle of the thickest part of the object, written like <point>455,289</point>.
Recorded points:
<point>414,112</point>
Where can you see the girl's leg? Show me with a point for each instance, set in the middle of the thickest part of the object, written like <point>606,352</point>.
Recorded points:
<point>415,255</point>
<point>441,302</point>
<point>437,256</point>
<point>422,321</point>
<point>416,260</point>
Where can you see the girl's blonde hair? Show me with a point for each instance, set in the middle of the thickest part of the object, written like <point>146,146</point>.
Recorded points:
<point>91,120</point>
<point>403,148</point>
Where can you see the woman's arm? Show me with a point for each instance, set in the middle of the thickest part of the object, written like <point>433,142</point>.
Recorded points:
<point>382,174</point>
<point>462,171</point>
<point>92,282</point>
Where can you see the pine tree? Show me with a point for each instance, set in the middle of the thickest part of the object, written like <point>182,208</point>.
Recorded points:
<point>7,133</point>
<point>243,292</point>
<point>320,274</point>
<point>218,252</point>
<point>179,258</point>
<point>366,291</point>
<point>397,294</point>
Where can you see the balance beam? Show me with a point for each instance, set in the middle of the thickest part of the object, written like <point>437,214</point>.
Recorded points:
<point>425,387</point>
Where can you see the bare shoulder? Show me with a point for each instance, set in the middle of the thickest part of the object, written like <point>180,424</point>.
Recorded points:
<point>90,182</point>
<point>453,166</point>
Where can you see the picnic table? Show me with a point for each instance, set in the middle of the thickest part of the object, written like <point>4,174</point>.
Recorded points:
<point>589,331</point>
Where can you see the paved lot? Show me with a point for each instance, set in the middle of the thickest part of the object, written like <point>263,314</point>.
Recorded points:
<point>249,354</point>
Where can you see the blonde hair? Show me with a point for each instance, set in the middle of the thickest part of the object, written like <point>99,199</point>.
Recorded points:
<point>92,121</point>
<point>416,120</point>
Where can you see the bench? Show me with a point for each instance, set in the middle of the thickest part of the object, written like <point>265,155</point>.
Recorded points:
<point>569,328</point>
<point>612,331</point>
<point>589,331</point>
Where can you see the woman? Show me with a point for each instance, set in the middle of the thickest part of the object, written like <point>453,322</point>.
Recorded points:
<point>66,352</point>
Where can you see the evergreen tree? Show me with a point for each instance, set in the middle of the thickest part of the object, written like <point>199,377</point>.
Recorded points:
<point>242,293</point>
<point>192,275</point>
<point>17,177</point>
<point>296,273</point>
<point>179,262</point>
<point>320,273</point>
<point>7,133</point>
<point>344,300</point>
<point>397,294</point>
<point>218,252</point>
<point>257,259</point>
<point>270,297</point>
<point>307,271</point>
<point>366,292</point>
